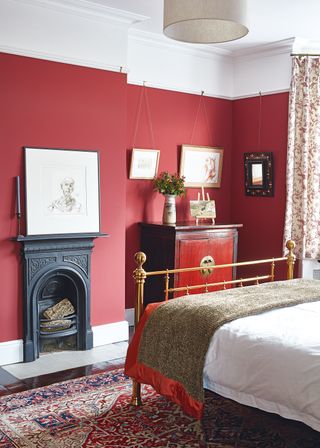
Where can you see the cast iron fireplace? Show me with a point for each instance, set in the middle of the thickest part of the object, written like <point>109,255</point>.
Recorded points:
<point>56,268</point>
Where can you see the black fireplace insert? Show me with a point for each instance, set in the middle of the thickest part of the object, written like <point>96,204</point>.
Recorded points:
<point>56,299</point>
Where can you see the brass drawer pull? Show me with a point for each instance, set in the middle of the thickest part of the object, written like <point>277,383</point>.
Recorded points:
<point>207,262</point>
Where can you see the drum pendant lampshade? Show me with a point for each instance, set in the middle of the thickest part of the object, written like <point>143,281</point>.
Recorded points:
<point>204,21</point>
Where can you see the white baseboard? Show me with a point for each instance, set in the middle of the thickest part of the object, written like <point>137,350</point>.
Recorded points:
<point>129,315</point>
<point>110,333</point>
<point>11,352</point>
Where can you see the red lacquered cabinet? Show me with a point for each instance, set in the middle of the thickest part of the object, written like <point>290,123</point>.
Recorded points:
<point>187,245</point>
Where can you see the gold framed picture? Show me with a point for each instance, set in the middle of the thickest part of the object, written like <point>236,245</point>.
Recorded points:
<point>201,166</point>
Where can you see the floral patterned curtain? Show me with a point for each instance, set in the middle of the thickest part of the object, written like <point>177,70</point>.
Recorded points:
<point>302,221</point>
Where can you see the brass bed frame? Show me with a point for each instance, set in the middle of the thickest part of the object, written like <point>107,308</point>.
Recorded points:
<point>140,276</point>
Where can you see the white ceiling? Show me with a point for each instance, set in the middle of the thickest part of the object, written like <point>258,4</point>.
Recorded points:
<point>268,20</point>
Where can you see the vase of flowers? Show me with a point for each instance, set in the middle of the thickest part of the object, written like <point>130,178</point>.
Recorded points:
<point>171,186</point>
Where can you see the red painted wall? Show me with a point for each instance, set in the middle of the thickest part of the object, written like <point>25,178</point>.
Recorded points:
<point>173,118</point>
<point>262,217</point>
<point>47,104</point>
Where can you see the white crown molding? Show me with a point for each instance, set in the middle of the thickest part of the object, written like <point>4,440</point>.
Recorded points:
<point>265,50</point>
<point>210,51</point>
<point>306,46</point>
<point>158,40</point>
<point>89,10</point>
<point>58,58</point>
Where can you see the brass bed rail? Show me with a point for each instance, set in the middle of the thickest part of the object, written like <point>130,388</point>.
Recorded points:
<point>224,283</point>
<point>140,276</point>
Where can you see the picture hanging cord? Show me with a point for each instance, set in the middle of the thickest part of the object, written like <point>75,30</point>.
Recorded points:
<point>201,102</point>
<point>143,94</point>
<point>259,125</point>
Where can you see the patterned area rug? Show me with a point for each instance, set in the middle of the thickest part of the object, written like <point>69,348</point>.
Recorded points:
<point>94,411</point>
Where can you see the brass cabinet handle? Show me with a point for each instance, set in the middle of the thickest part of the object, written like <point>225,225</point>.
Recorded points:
<point>207,262</point>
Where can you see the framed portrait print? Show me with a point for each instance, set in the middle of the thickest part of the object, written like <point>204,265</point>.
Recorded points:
<point>258,173</point>
<point>144,163</point>
<point>201,166</point>
<point>62,191</point>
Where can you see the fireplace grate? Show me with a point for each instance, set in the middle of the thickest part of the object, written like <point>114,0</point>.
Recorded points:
<point>64,326</point>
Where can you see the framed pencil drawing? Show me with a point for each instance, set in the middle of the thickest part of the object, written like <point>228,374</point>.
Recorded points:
<point>62,191</point>
<point>144,163</point>
<point>201,166</point>
<point>258,173</point>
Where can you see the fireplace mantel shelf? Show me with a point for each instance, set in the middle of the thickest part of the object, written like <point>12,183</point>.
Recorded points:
<point>62,236</point>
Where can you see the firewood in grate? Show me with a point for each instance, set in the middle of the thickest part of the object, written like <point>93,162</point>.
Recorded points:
<point>55,325</point>
<point>60,309</point>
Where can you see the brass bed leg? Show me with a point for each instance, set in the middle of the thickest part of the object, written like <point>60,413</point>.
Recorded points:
<point>136,394</point>
<point>291,258</point>
<point>139,276</point>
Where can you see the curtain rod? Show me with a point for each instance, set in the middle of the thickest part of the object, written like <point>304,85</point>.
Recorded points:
<point>304,54</point>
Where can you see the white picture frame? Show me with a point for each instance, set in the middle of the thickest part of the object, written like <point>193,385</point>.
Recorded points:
<point>62,191</point>
<point>144,163</point>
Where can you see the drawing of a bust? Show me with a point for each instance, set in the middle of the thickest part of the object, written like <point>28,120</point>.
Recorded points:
<point>66,203</point>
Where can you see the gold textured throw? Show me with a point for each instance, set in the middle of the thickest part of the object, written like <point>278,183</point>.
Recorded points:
<point>176,337</point>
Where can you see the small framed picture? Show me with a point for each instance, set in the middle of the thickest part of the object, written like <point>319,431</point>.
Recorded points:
<point>62,191</point>
<point>201,166</point>
<point>203,209</point>
<point>144,163</point>
<point>258,173</point>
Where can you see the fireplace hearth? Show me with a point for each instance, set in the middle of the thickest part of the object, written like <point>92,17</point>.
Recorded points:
<point>56,302</point>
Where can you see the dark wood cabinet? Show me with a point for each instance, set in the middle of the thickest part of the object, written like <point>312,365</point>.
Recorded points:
<point>186,245</point>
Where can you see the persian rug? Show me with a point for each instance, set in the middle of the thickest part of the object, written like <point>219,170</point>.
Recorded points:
<point>95,411</point>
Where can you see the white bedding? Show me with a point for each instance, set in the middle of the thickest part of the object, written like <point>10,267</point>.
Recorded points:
<point>270,361</point>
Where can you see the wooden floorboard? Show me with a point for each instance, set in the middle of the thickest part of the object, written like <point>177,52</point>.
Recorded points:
<point>9,384</point>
